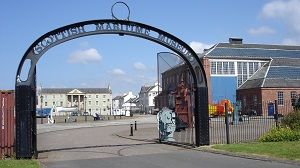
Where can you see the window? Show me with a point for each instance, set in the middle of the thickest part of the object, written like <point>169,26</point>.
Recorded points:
<point>46,104</point>
<point>53,103</point>
<point>293,94</point>
<point>90,96</point>
<point>61,103</point>
<point>239,68</point>
<point>97,96</point>
<point>97,103</point>
<point>90,103</point>
<point>280,98</point>
<point>293,97</point>
<point>231,68</point>
<point>108,100</point>
<point>255,100</point>
<point>61,96</point>
<point>240,80</point>
<point>53,96</point>
<point>104,96</point>
<point>245,68</point>
<point>213,67</point>
<point>251,68</point>
<point>225,68</point>
<point>97,109</point>
<point>256,66</point>
<point>219,67</point>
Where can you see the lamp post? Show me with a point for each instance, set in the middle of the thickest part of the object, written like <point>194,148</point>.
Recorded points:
<point>84,113</point>
<point>42,108</point>
<point>130,110</point>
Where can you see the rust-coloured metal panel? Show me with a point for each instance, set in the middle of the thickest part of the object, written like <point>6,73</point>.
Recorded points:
<point>7,123</point>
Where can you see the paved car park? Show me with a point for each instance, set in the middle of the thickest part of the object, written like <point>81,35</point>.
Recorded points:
<point>108,144</point>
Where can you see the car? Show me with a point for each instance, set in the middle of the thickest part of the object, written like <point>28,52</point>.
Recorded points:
<point>85,113</point>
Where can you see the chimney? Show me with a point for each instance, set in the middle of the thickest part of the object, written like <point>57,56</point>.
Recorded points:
<point>235,40</point>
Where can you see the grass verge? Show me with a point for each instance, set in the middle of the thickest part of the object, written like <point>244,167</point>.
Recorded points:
<point>12,163</point>
<point>283,150</point>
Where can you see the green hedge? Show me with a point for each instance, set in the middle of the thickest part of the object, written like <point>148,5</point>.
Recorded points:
<point>292,120</point>
<point>280,134</point>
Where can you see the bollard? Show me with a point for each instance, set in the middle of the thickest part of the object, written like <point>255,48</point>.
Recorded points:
<point>54,121</point>
<point>75,119</point>
<point>135,126</point>
<point>65,120</point>
<point>114,117</point>
<point>131,130</point>
<point>107,118</point>
<point>42,122</point>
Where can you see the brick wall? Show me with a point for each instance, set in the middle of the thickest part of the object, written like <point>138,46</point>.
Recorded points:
<point>270,94</point>
<point>206,65</point>
<point>266,95</point>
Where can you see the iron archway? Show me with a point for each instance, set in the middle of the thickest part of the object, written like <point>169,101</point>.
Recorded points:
<point>26,89</point>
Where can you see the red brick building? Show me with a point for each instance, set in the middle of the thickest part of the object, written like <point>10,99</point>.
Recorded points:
<point>278,80</point>
<point>252,73</point>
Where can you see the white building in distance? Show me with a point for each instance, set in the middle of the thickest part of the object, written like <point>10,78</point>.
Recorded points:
<point>146,97</point>
<point>122,104</point>
<point>90,100</point>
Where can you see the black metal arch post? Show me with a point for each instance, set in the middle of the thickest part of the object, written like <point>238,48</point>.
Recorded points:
<point>26,88</point>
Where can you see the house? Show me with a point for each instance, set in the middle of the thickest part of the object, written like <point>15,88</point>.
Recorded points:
<point>122,104</point>
<point>146,97</point>
<point>90,100</point>
<point>130,106</point>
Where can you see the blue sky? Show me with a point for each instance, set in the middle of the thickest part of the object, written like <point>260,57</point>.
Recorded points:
<point>125,62</point>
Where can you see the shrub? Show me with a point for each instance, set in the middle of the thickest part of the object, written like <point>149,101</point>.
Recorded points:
<point>292,120</point>
<point>280,134</point>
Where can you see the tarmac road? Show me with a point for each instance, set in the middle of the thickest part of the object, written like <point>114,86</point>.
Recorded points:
<point>98,146</point>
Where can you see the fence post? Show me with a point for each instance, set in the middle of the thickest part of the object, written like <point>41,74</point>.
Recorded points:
<point>227,124</point>
<point>276,114</point>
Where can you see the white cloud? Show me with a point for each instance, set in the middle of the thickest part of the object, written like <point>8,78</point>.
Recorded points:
<point>119,75</point>
<point>117,71</point>
<point>289,41</point>
<point>86,56</point>
<point>139,66</point>
<point>198,47</point>
<point>286,11</point>
<point>261,30</point>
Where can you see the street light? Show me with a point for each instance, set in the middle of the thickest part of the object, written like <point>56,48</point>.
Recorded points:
<point>42,108</point>
<point>84,113</point>
<point>130,101</point>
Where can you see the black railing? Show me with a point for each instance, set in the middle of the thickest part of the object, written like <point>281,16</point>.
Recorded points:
<point>251,122</point>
